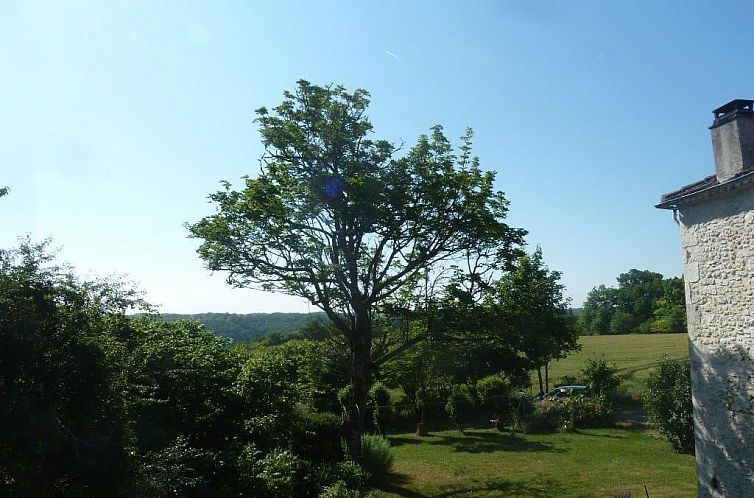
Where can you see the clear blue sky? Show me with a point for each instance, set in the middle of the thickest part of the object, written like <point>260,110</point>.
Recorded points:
<point>118,118</point>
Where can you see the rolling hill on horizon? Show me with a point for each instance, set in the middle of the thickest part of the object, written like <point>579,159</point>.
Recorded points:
<point>249,326</point>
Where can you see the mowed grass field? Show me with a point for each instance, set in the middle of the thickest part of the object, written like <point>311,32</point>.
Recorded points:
<point>587,463</point>
<point>635,356</point>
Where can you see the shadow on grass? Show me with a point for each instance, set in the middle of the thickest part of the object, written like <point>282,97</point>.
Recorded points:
<point>488,442</point>
<point>506,488</point>
<point>396,483</point>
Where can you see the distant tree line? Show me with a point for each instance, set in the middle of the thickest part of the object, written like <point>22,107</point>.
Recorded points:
<point>643,302</point>
<point>251,326</point>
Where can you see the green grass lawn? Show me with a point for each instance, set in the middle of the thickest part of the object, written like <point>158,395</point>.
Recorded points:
<point>634,355</point>
<point>588,463</point>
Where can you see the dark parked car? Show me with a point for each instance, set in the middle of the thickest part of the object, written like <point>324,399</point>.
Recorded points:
<point>563,392</point>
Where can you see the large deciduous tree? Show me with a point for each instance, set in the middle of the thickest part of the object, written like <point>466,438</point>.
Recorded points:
<point>338,218</point>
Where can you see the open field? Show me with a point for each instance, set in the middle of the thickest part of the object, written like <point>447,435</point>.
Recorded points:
<point>635,356</point>
<point>588,463</point>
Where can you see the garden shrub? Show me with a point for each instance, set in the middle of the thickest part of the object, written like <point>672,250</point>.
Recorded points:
<point>317,438</point>
<point>668,403</point>
<point>458,406</point>
<point>546,417</point>
<point>271,476</point>
<point>600,378</point>
<point>382,411</point>
<point>493,392</point>
<point>350,474</point>
<point>378,455</point>
<point>339,490</point>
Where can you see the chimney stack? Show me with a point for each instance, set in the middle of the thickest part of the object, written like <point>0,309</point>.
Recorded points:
<point>733,138</point>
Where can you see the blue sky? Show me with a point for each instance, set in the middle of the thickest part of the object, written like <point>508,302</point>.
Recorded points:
<point>118,118</point>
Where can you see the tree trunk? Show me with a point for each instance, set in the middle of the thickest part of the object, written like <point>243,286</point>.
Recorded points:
<point>360,380</point>
<point>541,386</point>
<point>547,377</point>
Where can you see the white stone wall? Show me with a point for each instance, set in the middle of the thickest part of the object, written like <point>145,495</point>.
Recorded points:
<point>718,253</point>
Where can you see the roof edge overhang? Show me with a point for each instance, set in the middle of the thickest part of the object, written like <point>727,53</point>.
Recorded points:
<point>674,200</point>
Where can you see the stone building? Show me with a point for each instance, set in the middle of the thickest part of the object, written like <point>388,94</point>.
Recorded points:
<point>716,218</point>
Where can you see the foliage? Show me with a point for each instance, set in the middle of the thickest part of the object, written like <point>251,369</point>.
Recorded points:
<point>382,411</point>
<point>379,456</point>
<point>546,417</point>
<point>580,412</point>
<point>668,403</point>
<point>643,302</point>
<point>317,438</point>
<point>494,391</point>
<point>63,410</point>
<point>530,300</point>
<point>350,475</point>
<point>458,406</point>
<point>335,218</point>
<point>270,476</point>
<point>600,378</point>
<point>4,191</point>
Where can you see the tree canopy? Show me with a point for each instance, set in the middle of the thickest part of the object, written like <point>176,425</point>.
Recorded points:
<point>644,301</point>
<point>340,219</point>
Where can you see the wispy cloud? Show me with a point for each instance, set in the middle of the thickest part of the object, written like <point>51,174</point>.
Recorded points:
<point>394,56</point>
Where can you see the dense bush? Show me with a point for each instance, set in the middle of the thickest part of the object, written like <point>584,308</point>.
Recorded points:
<point>458,406</point>
<point>580,412</point>
<point>317,437</point>
<point>378,455</point>
<point>600,377</point>
<point>100,404</point>
<point>494,392</point>
<point>546,417</point>
<point>668,403</point>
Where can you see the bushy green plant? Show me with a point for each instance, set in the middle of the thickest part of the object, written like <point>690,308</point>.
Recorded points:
<point>352,476</point>
<point>600,377</point>
<point>379,456</point>
<point>458,406</point>
<point>667,400</point>
<point>493,391</point>
<point>317,438</point>
<point>382,411</point>
<point>339,490</point>
<point>270,476</point>
<point>546,417</point>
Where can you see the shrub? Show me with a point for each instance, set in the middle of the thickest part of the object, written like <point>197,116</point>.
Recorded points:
<point>546,417</point>
<point>668,403</point>
<point>521,407</point>
<point>493,392</point>
<point>339,490</point>
<point>317,438</point>
<point>458,406</point>
<point>378,455</point>
<point>580,412</point>
<point>349,474</point>
<point>382,414</point>
<point>600,377</point>
<point>271,476</point>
